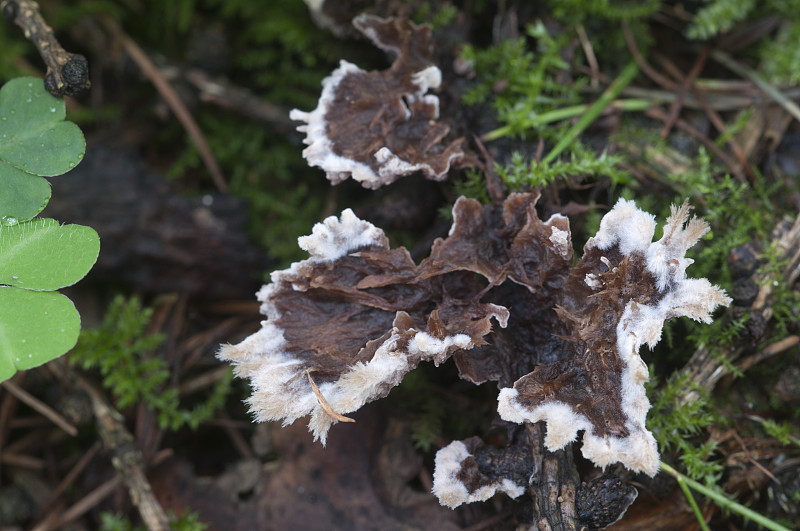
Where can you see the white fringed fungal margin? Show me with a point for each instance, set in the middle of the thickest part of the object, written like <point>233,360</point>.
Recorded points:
<point>379,126</point>
<point>335,237</point>
<point>630,231</point>
<point>320,150</point>
<point>451,491</point>
<point>279,394</point>
<point>279,378</point>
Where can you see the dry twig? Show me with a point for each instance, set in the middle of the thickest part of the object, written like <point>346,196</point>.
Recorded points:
<point>119,443</point>
<point>81,507</point>
<point>645,67</point>
<point>686,87</point>
<point>40,406</point>
<point>660,114</point>
<point>229,96</point>
<point>779,98</point>
<point>74,472</point>
<point>591,58</point>
<point>236,438</point>
<point>172,98</point>
<point>67,73</point>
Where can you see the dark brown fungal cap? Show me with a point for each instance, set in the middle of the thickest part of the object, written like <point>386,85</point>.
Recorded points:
<point>378,126</point>
<point>357,316</point>
<point>616,298</point>
<point>509,242</point>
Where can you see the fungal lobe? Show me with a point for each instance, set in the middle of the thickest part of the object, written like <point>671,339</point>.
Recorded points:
<point>617,297</point>
<point>380,125</point>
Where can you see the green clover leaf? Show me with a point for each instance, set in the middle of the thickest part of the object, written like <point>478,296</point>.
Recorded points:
<point>37,257</point>
<point>44,255</point>
<point>35,327</point>
<point>35,141</point>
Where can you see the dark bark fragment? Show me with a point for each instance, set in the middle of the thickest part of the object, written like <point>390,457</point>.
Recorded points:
<point>604,500</point>
<point>553,486</point>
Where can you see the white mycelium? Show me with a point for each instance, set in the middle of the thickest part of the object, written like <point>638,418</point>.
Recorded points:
<point>336,237</point>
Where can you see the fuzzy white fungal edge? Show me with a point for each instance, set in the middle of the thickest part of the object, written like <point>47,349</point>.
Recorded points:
<point>451,491</point>
<point>632,230</point>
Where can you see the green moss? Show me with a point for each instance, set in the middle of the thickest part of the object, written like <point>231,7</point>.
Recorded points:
<point>473,185</point>
<point>123,354</point>
<point>677,427</point>
<point>278,46</point>
<point>718,16</point>
<point>71,12</point>
<point>115,522</point>
<point>735,128</point>
<point>583,164</point>
<point>521,83</point>
<point>737,212</point>
<point>781,56</point>
<point>785,432</point>
<point>579,11</point>
<point>436,18</point>
<point>785,300</point>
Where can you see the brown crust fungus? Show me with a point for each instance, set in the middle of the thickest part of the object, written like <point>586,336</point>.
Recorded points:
<point>618,297</point>
<point>344,326</point>
<point>378,126</point>
<point>356,316</point>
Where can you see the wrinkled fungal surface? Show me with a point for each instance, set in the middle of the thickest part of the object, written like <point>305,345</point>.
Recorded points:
<point>357,316</point>
<point>616,299</point>
<point>378,126</point>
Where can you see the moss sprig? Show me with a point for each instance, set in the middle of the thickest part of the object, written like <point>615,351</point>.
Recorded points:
<point>582,164</point>
<point>521,83</point>
<point>677,426</point>
<point>121,351</point>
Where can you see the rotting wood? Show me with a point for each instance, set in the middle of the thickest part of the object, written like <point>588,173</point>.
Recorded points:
<point>553,485</point>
